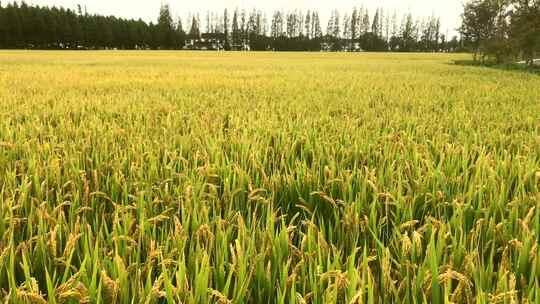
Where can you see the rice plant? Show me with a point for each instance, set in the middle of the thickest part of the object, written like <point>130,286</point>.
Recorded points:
<point>170,177</point>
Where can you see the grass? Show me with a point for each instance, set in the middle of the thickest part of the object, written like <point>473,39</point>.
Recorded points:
<point>515,67</point>
<point>165,177</point>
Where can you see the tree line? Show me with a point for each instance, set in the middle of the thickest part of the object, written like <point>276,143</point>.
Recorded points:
<point>34,27</point>
<point>502,31</point>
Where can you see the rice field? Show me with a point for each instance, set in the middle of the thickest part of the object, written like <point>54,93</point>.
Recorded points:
<point>178,177</point>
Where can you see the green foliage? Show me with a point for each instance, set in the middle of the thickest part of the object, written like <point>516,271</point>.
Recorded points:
<point>35,27</point>
<point>502,30</point>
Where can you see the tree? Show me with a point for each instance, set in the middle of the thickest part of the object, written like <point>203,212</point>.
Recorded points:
<point>291,20</point>
<point>180,33</point>
<point>194,32</point>
<point>209,22</point>
<point>437,37</point>
<point>408,31</point>
<point>307,25</point>
<point>165,27</point>
<point>376,23</point>
<point>243,28</point>
<point>365,23</point>
<point>336,30</point>
<point>430,34</point>
<point>316,25</point>
<point>387,25</point>
<point>227,45</point>
<point>255,37</point>
<point>354,26</point>
<point>380,27</point>
<point>479,25</point>
<point>525,29</point>
<point>347,27</point>
<point>236,34</point>
<point>375,41</point>
<point>277,25</point>
<point>13,22</point>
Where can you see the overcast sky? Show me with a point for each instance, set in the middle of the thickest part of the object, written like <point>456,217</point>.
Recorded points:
<point>448,10</point>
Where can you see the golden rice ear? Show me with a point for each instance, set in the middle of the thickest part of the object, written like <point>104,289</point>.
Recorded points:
<point>29,292</point>
<point>417,241</point>
<point>219,298</point>
<point>31,298</point>
<point>110,288</point>
<point>406,244</point>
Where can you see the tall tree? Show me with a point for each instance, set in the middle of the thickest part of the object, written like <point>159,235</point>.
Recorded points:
<point>209,26</point>
<point>180,33</point>
<point>376,24</point>
<point>316,28</point>
<point>227,45</point>
<point>307,25</point>
<point>408,34</point>
<point>236,32</point>
<point>365,23</point>
<point>194,31</point>
<point>479,25</point>
<point>525,28</point>
<point>354,25</point>
<point>346,27</point>
<point>333,28</point>
<point>243,27</point>
<point>165,27</point>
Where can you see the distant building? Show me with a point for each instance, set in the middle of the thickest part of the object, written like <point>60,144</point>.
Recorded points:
<point>207,41</point>
<point>342,46</point>
<point>242,46</point>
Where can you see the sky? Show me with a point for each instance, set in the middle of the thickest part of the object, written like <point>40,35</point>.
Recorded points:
<point>448,10</point>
